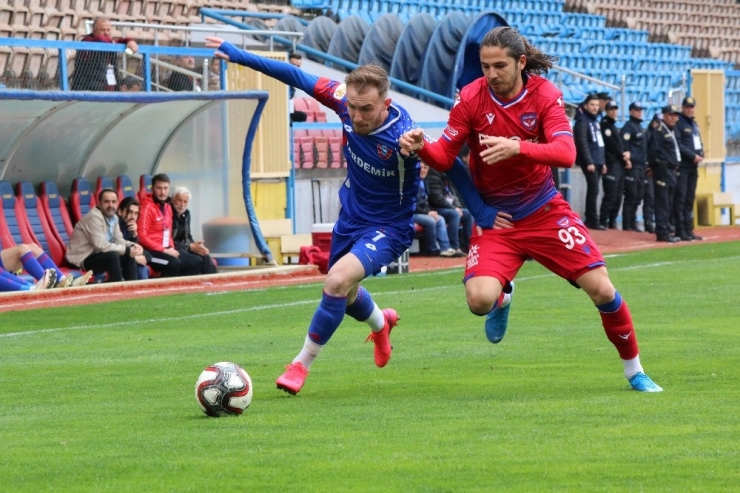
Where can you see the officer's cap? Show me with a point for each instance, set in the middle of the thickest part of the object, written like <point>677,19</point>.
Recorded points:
<point>611,105</point>
<point>636,105</point>
<point>670,108</point>
<point>688,102</point>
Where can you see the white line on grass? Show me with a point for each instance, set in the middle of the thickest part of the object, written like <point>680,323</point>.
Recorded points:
<point>314,301</point>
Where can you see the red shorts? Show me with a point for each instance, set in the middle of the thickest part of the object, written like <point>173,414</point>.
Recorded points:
<point>554,236</point>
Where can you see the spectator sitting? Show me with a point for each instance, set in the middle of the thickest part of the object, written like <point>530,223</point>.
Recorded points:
<point>443,199</point>
<point>177,81</point>
<point>128,214</point>
<point>98,245</point>
<point>98,70</point>
<point>11,282</point>
<point>130,84</point>
<point>155,228</point>
<point>194,255</point>
<point>435,241</point>
<point>36,262</point>
<point>214,74</point>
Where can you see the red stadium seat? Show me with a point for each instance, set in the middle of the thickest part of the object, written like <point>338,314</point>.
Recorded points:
<point>56,212</point>
<point>32,222</point>
<point>10,233</point>
<point>81,199</point>
<point>124,187</point>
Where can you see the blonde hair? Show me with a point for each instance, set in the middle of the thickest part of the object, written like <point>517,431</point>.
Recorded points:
<point>370,75</point>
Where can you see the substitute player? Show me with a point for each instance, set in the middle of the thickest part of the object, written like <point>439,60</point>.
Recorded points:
<point>375,224</point>
<point>515,124</point>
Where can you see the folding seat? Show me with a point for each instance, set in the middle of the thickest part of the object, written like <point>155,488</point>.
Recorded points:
<point>32,221</point>
<point>57,215</point>
<point>321,152</point>
<point>124,187</point>
<point>145,186</point>
<point>81,199</point>
<point>299,104</point>
<point>335,151</point>
<point>305,144</point>
<point>10,233</point>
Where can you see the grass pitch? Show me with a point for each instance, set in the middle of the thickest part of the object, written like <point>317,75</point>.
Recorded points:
<point>100,398</point>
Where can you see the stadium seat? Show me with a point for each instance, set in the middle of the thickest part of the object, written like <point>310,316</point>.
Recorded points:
<point>102,183</point>
<point>81,199</point>
<point>57,215</point>
<point>32,222</point>
<point>10,233</point>
<point>145,186</point>
<point>124,187</point>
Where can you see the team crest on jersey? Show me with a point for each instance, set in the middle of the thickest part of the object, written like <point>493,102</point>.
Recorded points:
<point>384,152</point>
<point>340,91</point>
<point>529,120</point>
<point>563,222</point>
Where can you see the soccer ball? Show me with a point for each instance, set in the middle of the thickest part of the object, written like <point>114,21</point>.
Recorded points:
<point>223,389</point>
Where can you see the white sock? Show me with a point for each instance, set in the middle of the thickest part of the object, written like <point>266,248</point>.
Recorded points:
<point>505,301</point>
<point>308,353</point>
<point>632,366</point>
<point>376,320</point>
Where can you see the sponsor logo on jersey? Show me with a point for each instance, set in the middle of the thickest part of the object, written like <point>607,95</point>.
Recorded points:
<point>529,121</point>
<point>490,117</point>
<point>348,128</point>
<point>340,91</point>
<point>563,222</point>
<point>367,167</point>
<point>384,152</point>
<point>482,137</point>
<point>451,131</point>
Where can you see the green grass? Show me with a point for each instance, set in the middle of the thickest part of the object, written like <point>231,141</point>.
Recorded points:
<point>100,397</point>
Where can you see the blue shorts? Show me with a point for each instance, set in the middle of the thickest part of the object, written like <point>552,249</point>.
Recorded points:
<point>374,246</point>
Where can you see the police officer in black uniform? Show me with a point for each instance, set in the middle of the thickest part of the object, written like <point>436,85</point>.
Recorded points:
<point>590,156</point>
<point>635,141</point>
<point>692,153</point>
<point>617,159</point>
<point>663,159</point>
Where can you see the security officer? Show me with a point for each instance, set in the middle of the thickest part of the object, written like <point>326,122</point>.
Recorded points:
<point>590,156</point>
<point>692,153</point>
<point>635,141</point>
<point>648,201</point>
<point>663,158</point>
<point>617,160</point>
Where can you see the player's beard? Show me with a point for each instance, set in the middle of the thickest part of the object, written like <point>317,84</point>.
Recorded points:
<point>503,87</point>
<point>363,130</point>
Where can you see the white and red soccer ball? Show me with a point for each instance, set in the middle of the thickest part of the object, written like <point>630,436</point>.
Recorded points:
<point>223,389</point>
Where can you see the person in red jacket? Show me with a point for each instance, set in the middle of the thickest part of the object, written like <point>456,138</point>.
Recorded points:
<point>98,70</point>
<point>155,228</point>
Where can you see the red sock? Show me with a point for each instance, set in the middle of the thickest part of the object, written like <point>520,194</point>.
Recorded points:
<point>620,331</point>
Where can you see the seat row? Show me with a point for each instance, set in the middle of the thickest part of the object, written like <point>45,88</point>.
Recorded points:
<point>46,219</point>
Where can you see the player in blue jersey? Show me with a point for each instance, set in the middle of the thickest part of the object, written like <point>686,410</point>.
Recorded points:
<point>375,224</point>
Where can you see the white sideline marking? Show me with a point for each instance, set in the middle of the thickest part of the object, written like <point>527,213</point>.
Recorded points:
<point>314,301</point>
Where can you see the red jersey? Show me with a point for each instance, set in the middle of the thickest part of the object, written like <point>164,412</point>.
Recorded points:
<point>536,117</point>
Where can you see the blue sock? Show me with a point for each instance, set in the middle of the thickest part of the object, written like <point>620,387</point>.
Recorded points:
<point>32,266</point>
<point>613,305</point>
<point>327,318</point>
<point>48,263</point>
<point>9,282</point>
<point>363,306</point>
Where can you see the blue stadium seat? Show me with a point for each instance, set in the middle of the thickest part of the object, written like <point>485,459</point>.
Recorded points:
<point>81,199</point>
<point>56,212</point>
<point>33,224</point>
<point>124,187</point>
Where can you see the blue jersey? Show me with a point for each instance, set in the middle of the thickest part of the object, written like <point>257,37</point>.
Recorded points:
<point>381,184</point>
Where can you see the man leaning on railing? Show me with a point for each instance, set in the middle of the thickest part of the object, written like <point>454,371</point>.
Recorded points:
<point>98,70</point>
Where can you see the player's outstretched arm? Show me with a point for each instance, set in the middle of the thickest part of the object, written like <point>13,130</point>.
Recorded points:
<point>282,71</point>
<point>485,216</point>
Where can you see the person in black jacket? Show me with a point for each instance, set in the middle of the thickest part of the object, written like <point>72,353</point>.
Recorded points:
<point>617,160</point>
<point>443,199</point>
<point>692,153</point>
<point>177,81</point>
<point>435,241</point>
<point>635,141</point>
<point>590,156</point>
<point>194,255</point>
<point>128,214</point>
<point>663,158</point>
<point>98,70</point>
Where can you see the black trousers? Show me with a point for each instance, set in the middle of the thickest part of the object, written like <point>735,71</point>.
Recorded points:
<point>665,185</point>
<point>634,191</point>
<point>117,267</point>
<point>648,200</point>
<point>194,264</point>
<point>166,265</point>
<point>592,195</point>
<point>683,200</point>
<point>613,182</point>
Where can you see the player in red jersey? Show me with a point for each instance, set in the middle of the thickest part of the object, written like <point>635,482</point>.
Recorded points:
<point>515,124</point>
